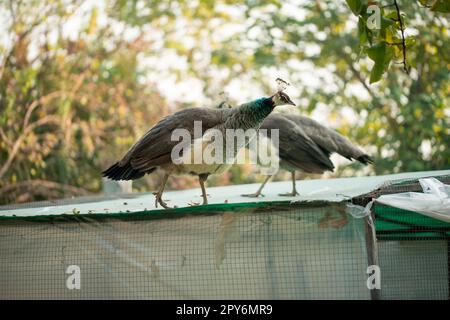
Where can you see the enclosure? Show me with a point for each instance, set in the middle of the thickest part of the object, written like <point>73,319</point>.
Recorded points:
<point>234,248</point>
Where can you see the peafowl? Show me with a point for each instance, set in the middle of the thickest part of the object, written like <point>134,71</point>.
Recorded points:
<point>153,151</point>
<point>305,145</point>
<point>328,140</point>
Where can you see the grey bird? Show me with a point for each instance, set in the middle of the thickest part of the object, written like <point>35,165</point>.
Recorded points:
<point>297,135</point>
<point>154,150</point>
<point>305,145</point>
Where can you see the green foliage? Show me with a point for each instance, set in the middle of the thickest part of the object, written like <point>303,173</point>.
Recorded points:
<point>68,112</point>
<point>439,5</point>
<point>388,30</point>
<point>382,55</point>
<point>355,5</point>
<point>70,105</point>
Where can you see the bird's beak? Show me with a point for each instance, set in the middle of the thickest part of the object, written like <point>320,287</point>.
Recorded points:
<point>290,102</point>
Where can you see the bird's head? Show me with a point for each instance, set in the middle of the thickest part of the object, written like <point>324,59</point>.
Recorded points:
<point>224,104</point>
<point>280,98</point>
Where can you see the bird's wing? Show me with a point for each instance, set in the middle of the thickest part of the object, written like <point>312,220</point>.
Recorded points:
<point>155,147</point>
<point>295,147</point>
<point>330,140</point>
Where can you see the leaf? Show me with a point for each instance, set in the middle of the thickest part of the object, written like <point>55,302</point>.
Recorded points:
<point>441,6</point>
<point>392,17</point>
<point>410,41</point>
<point>382,55</point>
<point>362,31</point>
<point>227,224</point>
<point>355,6</point>
<point>386,23</point>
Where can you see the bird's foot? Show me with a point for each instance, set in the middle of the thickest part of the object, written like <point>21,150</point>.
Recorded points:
<point>192,203</point>
<point>159,200</point>
<point>253,195</point>
<point>289,194</point>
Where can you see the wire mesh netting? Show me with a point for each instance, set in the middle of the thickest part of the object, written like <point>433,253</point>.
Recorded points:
<point>284,253</point>
<point>413,254</point>
<point>264,250</point>
<point>414,250</point>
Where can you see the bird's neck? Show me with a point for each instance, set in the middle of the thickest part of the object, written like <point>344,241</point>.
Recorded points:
<point>250,115</point>
<point>260,108</point>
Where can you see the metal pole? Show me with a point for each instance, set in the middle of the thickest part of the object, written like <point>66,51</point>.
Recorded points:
<point>372,250</point>
<point>448,266</point>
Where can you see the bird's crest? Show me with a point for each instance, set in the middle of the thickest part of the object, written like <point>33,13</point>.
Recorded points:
<point>224,103</point>
<point>224,96</point>
<point>282,84</point>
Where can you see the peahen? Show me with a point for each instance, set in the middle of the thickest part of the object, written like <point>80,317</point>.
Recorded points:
<point>153,151</point>
<point>294,156</point>
<point>306,145</point>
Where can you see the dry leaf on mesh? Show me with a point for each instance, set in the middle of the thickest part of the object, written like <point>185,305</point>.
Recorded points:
<point>226,226</point>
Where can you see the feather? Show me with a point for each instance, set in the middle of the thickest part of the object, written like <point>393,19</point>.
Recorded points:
<point>330,140</point>
<point>296,148</point>
<point>154,149</point>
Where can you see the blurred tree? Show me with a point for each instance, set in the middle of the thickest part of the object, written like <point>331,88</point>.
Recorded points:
<point>405,117</point>
<point>69,105</point>
<point>381,30</point>
<point>79,83</point>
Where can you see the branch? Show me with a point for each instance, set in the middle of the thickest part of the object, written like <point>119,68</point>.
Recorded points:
<point>6,60</point>
<point>402,28</point>
<point>361,80</point>
<point>27,128</point>
<point>12,154</point>
<point>5,138</point>
<point>37,102</point>
<point>44,99</point>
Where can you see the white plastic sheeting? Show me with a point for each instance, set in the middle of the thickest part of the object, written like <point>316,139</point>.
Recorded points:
<point>434,202</point>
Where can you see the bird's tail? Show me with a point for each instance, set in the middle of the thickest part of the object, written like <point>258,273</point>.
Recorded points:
<point>126,172</point>
<point>365,159</point>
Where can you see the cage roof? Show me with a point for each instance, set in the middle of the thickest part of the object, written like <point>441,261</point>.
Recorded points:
<point>225,198</point>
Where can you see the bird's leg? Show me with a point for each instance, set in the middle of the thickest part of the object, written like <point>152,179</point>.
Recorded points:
<point>201,179</point>
<point>294,189</point>
<point>158,195</point>
<point>258,193</point>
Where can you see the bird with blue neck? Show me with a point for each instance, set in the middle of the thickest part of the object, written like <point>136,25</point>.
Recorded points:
<point>153,151</point>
